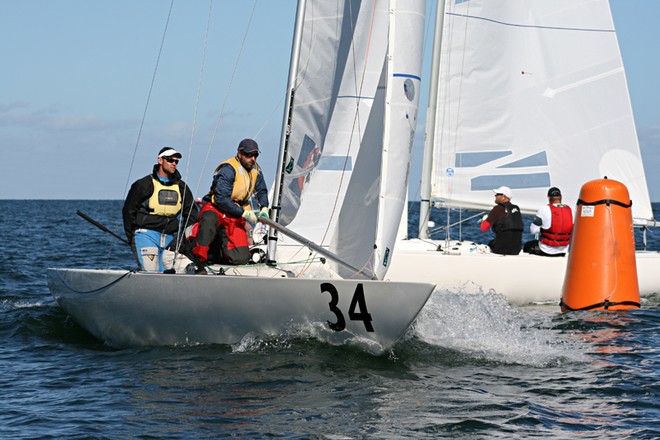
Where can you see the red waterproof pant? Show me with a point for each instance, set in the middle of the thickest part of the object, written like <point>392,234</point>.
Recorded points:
<point>230,231</point>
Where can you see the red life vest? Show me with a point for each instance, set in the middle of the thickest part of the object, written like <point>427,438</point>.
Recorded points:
<point>561,228</point>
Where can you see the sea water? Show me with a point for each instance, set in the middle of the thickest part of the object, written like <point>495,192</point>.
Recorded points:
<point>471,367</point>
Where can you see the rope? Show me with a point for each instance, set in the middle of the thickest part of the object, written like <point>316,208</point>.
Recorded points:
<point>607,202</point>
<point>93,290</point>
<point>605,304</point>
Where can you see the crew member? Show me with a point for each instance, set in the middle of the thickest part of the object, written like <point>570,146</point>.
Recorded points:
<point>506,222</point>
<point>152,207</point>
<point>554,222</point>
<point>226,208</point>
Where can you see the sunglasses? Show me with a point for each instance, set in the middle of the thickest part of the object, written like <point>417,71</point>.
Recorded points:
<point>251,155</point>
<point>171,159</point>
<point>499,194</point>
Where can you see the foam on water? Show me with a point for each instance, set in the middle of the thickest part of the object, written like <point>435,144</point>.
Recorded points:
<point>310,331</point>
<point>486,327</point>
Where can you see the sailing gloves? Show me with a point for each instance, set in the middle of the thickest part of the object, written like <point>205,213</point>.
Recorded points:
<point>253,216</point>
<point>250,215</point>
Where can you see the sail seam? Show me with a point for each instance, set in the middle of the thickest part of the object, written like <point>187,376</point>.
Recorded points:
<point>535,26</point>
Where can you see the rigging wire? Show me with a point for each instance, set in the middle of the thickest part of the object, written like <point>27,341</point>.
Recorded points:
<point>229,89</point>
<point>182,236</point>
<point>146,105</point>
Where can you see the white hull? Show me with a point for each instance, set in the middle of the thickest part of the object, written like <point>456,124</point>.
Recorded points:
<point>126,309</point>
<point>521,278</point>
<point>467,268</point>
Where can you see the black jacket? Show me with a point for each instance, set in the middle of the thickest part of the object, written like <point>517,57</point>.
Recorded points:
<point>136,213</point>
<point>508,231</point>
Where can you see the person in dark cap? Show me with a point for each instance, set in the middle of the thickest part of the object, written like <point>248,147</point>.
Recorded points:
<point>152,207</point>
<point>506,222</point>
<point>226,208</point>
<point>554,222</point>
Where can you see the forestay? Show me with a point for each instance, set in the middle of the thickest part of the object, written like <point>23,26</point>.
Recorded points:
<point>532,94</point>
<point>352,124</point>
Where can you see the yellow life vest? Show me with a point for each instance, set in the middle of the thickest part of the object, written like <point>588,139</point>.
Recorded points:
<point>244,182</point>
<point>165,200</point>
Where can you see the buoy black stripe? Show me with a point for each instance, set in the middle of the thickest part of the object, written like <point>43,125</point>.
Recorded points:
<point>606,304</point>
<point>604,202</point>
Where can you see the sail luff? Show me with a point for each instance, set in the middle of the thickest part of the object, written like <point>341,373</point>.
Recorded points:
<point>429,134</point>
<point>403,79</point>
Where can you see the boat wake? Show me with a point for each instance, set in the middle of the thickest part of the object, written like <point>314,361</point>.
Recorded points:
<point>485,327</point>
<point>314,332</point>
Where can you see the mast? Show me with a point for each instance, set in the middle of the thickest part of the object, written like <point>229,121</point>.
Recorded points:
<point>429,140</point>
<point>286,130</point>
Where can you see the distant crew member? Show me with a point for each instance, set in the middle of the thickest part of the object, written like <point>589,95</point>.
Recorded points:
<point>152,207</point>
<point>506,222</point>
<point>554,222</point>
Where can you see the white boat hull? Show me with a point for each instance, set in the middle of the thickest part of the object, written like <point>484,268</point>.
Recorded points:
<point>128,309</point>
<point>522,278</point>
<point>469,268</point>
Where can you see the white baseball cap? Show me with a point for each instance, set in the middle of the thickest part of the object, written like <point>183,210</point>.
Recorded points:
<point>504,190</point>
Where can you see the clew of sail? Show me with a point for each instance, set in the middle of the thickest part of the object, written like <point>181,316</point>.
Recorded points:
<point>352,125</point>
<point>532,94</point>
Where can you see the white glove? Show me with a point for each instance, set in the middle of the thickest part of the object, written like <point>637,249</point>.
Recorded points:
<point>249,215</point>
<point>264,212</point>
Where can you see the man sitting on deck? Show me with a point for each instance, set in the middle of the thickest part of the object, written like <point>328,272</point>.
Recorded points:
<point>555,223</point>
<point>507,224</point>
<point>226,207</point>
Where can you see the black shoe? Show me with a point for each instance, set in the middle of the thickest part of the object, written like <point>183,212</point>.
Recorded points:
<point>200,271</point>
<point>194,269</point>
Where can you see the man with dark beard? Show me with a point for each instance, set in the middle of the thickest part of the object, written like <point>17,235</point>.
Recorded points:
<point>226,207</point>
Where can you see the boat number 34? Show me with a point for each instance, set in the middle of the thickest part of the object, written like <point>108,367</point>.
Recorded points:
<point>357,311</point>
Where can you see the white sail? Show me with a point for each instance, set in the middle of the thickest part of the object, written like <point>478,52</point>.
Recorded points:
<point>351,127</point>
<point>532,94</point>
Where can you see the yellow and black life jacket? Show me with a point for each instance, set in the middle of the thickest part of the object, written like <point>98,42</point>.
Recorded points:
<point>165,200</point>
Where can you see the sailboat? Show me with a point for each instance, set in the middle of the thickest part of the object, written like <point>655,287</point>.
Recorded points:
<point>527,94</point>
<point>348,119</point>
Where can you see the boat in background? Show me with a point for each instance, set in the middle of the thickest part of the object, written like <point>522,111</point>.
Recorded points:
<point>527,94</point>
<point>349,118</point>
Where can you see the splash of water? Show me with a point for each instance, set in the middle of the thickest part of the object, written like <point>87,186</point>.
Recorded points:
<point>486,327</point>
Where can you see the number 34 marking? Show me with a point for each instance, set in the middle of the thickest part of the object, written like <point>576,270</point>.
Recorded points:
<point>357,311</point>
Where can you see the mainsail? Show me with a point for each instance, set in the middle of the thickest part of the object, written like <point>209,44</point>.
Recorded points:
<point>352,123</point>
<point>532,94</point>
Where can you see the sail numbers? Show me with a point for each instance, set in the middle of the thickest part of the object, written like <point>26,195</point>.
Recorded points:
<point>357,311</point>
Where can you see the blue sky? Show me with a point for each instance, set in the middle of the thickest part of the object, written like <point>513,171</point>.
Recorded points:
<point>76,76</point>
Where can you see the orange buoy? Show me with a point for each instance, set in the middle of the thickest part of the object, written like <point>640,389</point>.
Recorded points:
<point>601,273</point>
